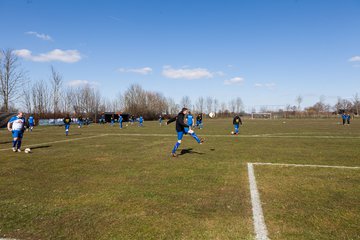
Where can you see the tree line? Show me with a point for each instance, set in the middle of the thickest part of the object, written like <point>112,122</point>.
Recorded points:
<point>52,99</point>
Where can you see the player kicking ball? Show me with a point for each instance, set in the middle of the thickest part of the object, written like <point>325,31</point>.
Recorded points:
<point>181,129</point>
<point>16,126</point>
<point>236,122</point>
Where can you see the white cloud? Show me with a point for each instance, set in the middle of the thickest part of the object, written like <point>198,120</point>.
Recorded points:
<point>40,35</point>
<point>354,59</point>
<point>143,71</point>
<point>186,73</point>
<point>265,85</point>
<point>80,83</point>
<point>68,56</point>
<point>234,81</point>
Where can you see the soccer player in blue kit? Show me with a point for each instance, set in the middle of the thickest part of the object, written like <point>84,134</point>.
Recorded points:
<point>67,121</point>
<point>31,123</point>
<point>190,120</point>
<point>16,125</point>
<point>141,120</point>
<point>120,121</point>
<point>237,122</point>
<point>181,129</point>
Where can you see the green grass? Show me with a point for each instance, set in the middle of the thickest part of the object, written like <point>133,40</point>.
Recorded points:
<point>107,183</point>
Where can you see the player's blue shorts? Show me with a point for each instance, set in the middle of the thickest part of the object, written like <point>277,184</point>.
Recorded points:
<point>181,134</point>
<point>67,126</point>
<point>31,124</point>
<point>17,134</point>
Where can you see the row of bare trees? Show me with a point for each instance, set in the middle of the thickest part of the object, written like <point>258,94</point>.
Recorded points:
<point>51,99</point>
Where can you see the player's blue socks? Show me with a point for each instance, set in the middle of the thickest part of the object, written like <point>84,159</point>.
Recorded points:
<point>14,143</point>
<point>18,144</point>
<point>177,144</point>
<point>195,137</point>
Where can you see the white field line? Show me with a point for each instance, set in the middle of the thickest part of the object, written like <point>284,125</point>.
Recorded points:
<point>201,135</point>
<point>232,136</point>
<point>60,141</point>
<point>305,165</point>
<point>258,216</point>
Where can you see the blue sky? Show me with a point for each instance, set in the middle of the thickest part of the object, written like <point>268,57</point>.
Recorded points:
<point>265,51</point>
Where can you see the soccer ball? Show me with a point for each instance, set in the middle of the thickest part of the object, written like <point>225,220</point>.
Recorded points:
<point>27,150</point>
<point>212,115</point>
<point>232,132</point>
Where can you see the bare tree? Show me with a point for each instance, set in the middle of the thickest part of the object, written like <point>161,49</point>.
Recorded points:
<point>200,104</point>
<point>40,97</point>
<point>223,107</point>
<point>56,82</point>
<point>172,107</point>
<point>232,105</point>
<point>216,105</point>
<point>26,97</point>
<point>185,102</point>
<point>356,102</point>
<point>239,104</point>
<point>209,104</point>
<point>135,99</point>
<point>11,77</point>
<point>299,100</point>
<point>68,98</point>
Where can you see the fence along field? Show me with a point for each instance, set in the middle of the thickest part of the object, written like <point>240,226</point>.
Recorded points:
<point>102,182</point>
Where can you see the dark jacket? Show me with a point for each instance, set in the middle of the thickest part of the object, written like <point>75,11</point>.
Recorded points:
<point>237,120</point>
<point>180,124</point>
<point>67,120</point>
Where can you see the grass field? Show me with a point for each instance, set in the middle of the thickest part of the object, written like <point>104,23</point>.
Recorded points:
<point>102,182</point>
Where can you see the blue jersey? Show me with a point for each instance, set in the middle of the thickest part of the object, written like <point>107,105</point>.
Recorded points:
<point>120,118</point>
<point>141,119</point>
<point>17,123</point>
<point>344,116</point>
<point>31,120</point>
<point>190,120</point>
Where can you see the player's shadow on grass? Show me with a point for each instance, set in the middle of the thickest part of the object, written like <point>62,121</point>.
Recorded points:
<point>42,146</point>
<point>189,151</point>
<point>6,142</point>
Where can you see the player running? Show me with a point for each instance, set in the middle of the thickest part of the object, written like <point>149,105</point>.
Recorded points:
<point>31,122</point>
<point>181,129</point>
<point>16,125</point>
<point>141,121</point>
<point>67,121</point>
<point>237,122</point>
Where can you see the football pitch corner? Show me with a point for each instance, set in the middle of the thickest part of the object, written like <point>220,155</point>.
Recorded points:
<point>260,228</point>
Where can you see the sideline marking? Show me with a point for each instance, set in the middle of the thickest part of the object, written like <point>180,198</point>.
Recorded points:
<point>258,216</point>
<point>238,136</point>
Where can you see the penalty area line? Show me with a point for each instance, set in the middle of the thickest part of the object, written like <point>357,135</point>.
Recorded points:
<point>305,165</point>
<point>258,216</point>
